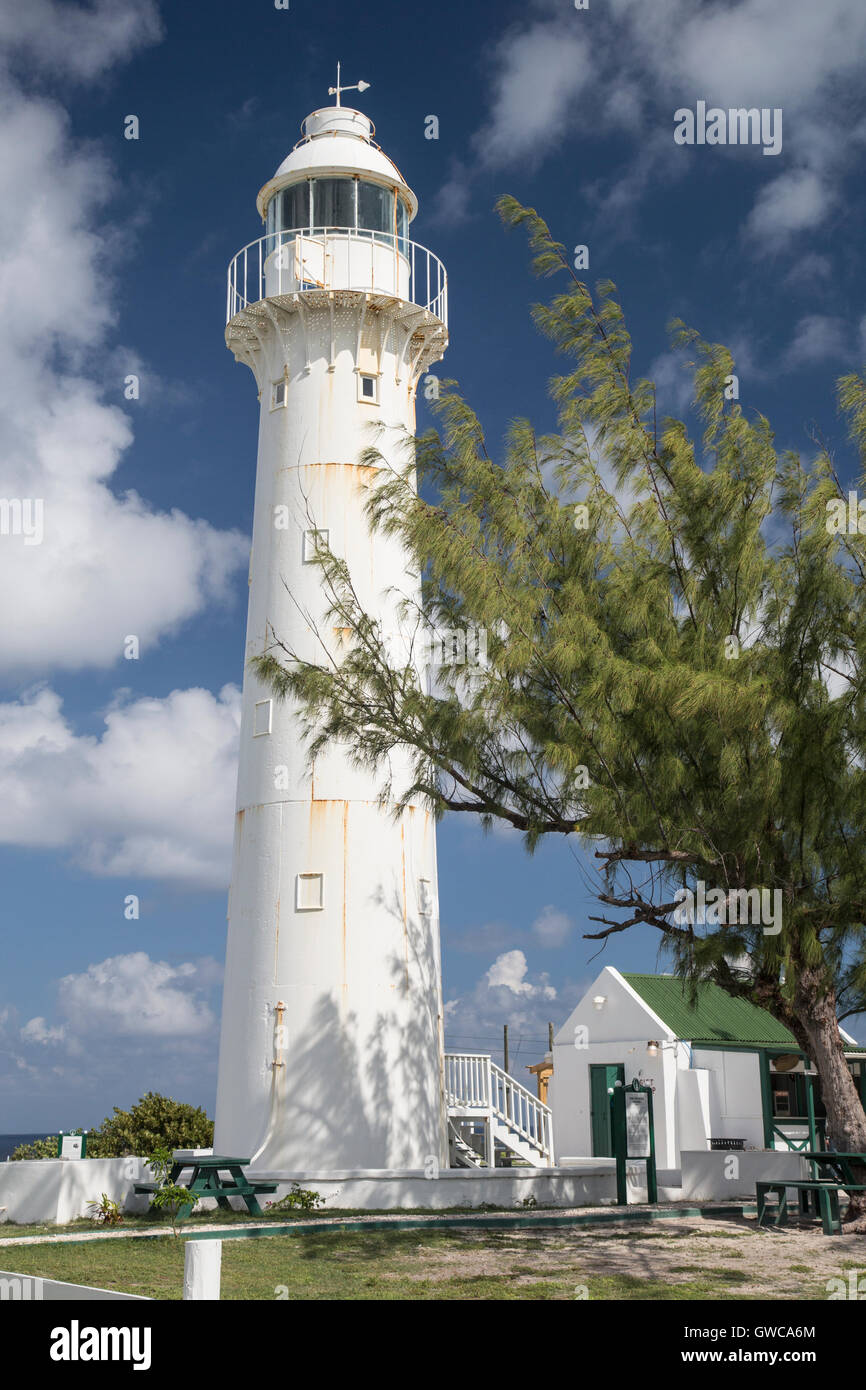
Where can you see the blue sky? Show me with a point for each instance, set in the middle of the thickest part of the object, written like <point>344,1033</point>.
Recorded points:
<point>116,775</point>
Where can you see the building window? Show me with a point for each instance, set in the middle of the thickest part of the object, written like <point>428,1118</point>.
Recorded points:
<point>313,541</point>
<point>309,892</point>
<point>262,717</point>
<point>279,394</point>
<point>425,897</point>
<point>368,388</point>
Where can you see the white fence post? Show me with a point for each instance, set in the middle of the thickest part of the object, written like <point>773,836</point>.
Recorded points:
<point>202,1261</point>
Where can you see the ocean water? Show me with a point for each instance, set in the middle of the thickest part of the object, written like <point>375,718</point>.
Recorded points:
<point>8,1142</point>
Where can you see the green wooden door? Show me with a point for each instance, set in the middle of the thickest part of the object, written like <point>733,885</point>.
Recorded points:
<point>601,1081</point>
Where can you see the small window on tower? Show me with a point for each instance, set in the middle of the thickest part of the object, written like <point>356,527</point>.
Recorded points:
<point>262,718</point>
<point>425,897</point>
<point>313,541</point>
<point>368,388</point>
<point>309,892</point>
<point>280,395</point>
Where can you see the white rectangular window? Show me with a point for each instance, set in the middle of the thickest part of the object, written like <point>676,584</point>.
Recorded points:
<point>312,541</point>
<point>309,892</point>
<point>279,394</point>
<point>425,897</point>
<point>368,388</point>
<point>262,717</point>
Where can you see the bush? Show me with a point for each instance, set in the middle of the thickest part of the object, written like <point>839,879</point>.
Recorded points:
<point>40,1148</point>
<point>155,1122</point>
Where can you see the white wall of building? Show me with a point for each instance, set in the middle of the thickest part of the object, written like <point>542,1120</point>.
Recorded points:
<point>736,1094</point>
<point>698,1093</point>
<point>618,1031</point>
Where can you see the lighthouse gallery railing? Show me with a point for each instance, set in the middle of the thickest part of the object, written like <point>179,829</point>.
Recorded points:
<point>409,271</point>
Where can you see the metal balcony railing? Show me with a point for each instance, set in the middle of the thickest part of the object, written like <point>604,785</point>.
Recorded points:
<point>337,258</point>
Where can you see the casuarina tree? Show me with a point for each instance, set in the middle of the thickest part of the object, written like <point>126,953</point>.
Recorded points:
<point>644,637</point>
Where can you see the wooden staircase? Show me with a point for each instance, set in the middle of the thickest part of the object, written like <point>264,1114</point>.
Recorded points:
<point>512,1122</point>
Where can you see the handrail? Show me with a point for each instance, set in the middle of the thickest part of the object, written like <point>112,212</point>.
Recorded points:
<point>474,1081</point>
<point>409,272</point>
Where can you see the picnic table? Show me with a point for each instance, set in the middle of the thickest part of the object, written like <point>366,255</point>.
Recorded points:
<point>207,1181</point>
<point>824,1190</point>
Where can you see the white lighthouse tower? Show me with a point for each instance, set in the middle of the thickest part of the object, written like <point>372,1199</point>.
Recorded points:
<point>331,1051</point>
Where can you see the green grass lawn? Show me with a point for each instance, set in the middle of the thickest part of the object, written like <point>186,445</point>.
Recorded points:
<point>380,1265</point>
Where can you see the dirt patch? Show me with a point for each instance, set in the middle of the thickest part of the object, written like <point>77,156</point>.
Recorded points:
<point>733,1255</point>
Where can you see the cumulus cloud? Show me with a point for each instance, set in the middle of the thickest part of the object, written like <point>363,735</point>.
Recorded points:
<point>132,996</point>
<point>506,993</point>
<point>122,1026</point>
<point>108,565</point>
<point>152,797</point>
<point>630,66</point>
<point>817,338</point>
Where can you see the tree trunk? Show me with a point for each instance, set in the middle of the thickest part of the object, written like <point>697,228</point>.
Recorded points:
<point>815,1008</point>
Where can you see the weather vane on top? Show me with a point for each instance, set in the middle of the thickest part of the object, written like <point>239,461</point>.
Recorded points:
<point>335,91</point>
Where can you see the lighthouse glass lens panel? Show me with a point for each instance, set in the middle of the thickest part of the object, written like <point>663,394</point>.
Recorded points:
<point>376,211</point>
<point>402,226</point>
<point>295,210</point>
<point>333,203</point>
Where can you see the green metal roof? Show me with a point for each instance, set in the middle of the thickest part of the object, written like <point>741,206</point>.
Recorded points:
<point>713,1017</point>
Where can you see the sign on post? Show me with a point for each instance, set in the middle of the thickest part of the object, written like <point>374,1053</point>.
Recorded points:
<point>633,1138</point>
<point>71,1145</point>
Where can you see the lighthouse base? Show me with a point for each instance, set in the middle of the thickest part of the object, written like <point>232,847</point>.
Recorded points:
<point>371,1189</point>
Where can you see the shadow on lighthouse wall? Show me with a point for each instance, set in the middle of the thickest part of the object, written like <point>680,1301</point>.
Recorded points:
<point>373,1101</point>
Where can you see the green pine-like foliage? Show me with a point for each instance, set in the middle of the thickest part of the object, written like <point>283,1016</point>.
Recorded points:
<point>675,649</point>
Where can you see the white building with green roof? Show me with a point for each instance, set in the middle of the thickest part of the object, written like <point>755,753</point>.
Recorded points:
<point>721,1069</point>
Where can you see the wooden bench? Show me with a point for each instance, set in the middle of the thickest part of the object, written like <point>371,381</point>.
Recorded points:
<point>826,1192</point>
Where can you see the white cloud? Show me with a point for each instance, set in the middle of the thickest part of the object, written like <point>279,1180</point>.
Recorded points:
<point>153,797</point>
<point>817,338</point>
<point>508,971</point>
<point>37,1031</point>
<point>108,565</point>
<point>122,1026</point>
<point>631,65</point>
<point>132,996</point>
<point>539,73</point>
<point>75,41</point>
<point>505,993</point>
<point>796,201</point>
<point>551,926</point>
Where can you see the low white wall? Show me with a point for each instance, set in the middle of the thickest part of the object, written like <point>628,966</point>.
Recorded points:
<point>721,1175</point>
<point>60,1189</point>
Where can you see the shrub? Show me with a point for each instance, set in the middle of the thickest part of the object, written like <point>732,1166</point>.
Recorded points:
<point>156,1122</point>
<point>40,1148</point>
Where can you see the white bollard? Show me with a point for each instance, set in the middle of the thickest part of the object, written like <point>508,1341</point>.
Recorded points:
<point>202,1260</point>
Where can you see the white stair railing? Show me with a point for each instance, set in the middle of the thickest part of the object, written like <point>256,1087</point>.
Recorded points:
<point>474,1081</point>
